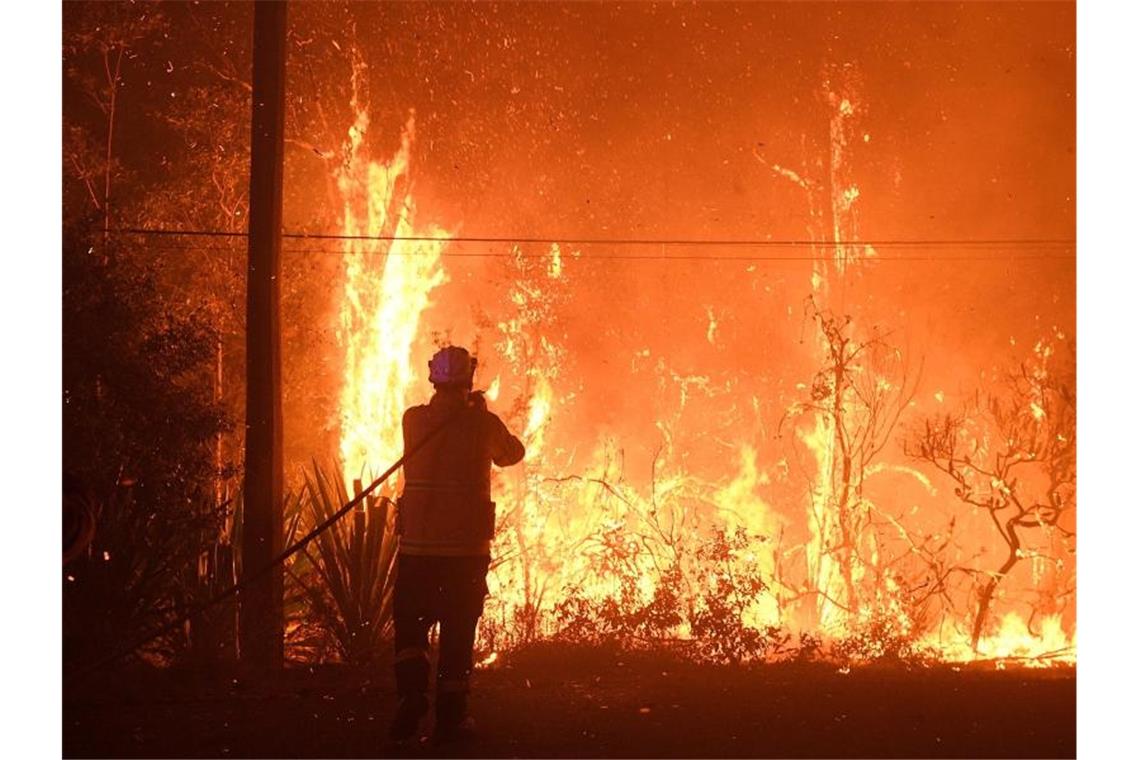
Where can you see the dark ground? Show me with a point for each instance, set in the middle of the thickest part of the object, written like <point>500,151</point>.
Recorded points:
<point>557,701</point>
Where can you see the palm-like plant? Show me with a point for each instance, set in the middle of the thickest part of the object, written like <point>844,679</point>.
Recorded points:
<point>349,579</point>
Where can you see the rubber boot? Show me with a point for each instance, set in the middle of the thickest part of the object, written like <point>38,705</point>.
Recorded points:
<point>409,713</point>
<point>452,723</point>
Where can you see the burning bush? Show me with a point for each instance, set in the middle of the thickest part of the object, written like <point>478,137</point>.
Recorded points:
<point>703,601</point>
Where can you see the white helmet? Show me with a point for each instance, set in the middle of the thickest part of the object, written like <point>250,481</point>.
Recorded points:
<point>452,365</point>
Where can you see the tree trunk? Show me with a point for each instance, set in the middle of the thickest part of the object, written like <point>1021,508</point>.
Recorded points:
<point>219,454</point>
<point>991,585</point>
<point>846,547</point>
<point>113,82</point>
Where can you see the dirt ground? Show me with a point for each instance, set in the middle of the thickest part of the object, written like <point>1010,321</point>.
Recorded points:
<point>556,701</point>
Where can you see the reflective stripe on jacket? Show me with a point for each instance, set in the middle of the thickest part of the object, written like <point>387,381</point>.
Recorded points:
<point>446,507</point>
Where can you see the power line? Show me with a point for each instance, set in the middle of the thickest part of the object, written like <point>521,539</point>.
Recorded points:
<point>684,257</point>
<point>670,242</point>
<point>1048,249</point>
<point>635,257</point>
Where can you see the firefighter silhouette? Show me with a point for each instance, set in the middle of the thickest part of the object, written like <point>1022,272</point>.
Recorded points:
<point>446,523</point>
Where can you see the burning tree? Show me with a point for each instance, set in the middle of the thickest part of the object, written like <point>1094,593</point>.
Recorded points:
<point>535,288</point>
<point>1011,453</point>
<point>861,386</point>
<point>855,400</point>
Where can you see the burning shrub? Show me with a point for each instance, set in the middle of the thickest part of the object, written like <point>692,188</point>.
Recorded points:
<point>723,620</point>
<point>883,638</point>
<point>625,615</point>
<point>704,600</point>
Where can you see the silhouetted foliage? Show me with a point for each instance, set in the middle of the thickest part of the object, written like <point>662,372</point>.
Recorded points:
<point>345,578</point>
<point>138,427</point>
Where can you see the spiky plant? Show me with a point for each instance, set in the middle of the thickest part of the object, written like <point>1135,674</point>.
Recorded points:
<point>213,632</point>
<point>346,573</point>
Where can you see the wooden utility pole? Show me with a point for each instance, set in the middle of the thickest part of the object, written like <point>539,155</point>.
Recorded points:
<point>261,620</point>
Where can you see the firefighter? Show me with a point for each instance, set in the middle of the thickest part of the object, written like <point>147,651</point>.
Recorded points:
<point>446,523</point>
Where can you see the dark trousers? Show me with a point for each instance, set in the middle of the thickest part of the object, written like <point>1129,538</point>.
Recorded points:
<point>447,590</point>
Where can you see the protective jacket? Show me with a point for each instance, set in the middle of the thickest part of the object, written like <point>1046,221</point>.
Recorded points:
<point>446,507</point>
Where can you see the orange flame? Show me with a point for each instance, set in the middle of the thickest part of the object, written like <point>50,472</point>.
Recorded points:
<point>570,507</point>
<point>387,288</point>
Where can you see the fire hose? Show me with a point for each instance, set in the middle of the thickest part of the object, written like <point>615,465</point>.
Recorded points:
<point>280,558</point>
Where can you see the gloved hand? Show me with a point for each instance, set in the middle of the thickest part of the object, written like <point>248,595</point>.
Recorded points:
<point>477,400</point>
